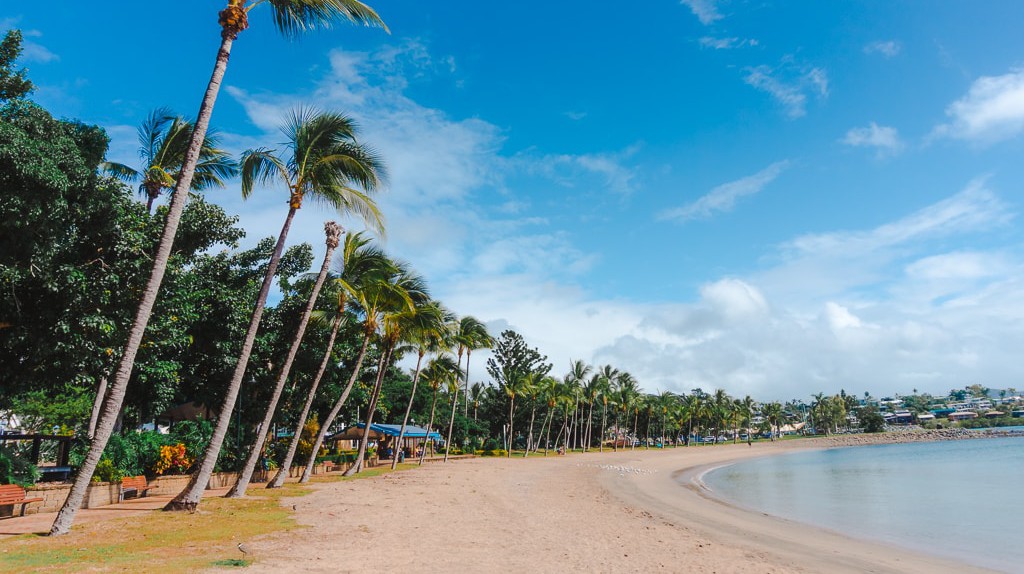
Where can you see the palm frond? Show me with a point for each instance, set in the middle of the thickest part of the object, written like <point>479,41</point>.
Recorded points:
<point>293,17</point>
<point>151,133</point>
<point>261,166</point>
<point>119,171</point>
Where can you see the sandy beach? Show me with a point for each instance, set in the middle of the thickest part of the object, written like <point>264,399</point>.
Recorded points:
<point>628,511</point>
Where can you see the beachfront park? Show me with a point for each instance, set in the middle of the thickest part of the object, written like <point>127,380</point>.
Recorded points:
<point>320,285</point>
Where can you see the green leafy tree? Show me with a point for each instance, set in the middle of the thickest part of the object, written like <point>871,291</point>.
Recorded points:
<point>13,84</point>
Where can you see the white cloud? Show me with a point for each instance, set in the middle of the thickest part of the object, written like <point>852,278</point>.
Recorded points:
<point>886,48</point>
<point>992,110</point>
<point>705,10</point>
<point>723,198</point>
<point>567,169</point>
<point>884,138</point>
<point>789,84</point>
<point>726,43</point>
<point>976,208</point>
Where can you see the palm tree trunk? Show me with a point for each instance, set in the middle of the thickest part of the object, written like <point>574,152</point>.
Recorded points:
<point>190,497</point>
<point>308,471</point>
<point>408,409</point>
<point>97,404</point>
<point>604,420</point>
<point>333,231</point>
<point>632,443</point>
<point>511,414</point>
<point>547,441</point>
<point>647,433</point>
<point>587,436</point>
<point>115,398</point>
<point>385,361</point>
<point>282,471</point>
<point>433,407</point>
<point>451,425</point>
<point>529,438</point>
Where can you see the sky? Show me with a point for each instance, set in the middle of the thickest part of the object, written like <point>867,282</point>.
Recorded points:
<point>772,198</point>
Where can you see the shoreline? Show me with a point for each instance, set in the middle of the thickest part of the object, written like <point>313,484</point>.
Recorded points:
<point>779,544</point>
<point>634,511</point>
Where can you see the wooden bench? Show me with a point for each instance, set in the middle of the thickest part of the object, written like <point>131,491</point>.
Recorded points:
<point>331,466</point>
<point>12,494</point>
<point>135,485</point>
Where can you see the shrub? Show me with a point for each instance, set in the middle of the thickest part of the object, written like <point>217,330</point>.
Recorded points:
<point>107,471</point>
<point>492,444</point>
<point>173,459</point>
<point>495,452</point>
<point>195,435</point>
<point>16,470</point>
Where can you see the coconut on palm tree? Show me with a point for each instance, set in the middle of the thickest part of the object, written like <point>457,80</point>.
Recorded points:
<point>163,142</point>
<point>291,17</point>
<point>325,163</point>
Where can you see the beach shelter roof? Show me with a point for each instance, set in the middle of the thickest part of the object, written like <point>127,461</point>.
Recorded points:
<point>379,431</point>
<point>393,430</point>
<point>356,433</point>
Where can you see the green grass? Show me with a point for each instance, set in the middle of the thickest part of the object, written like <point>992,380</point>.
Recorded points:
<point>166,541</point>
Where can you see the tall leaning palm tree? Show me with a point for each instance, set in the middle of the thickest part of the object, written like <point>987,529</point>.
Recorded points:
<point>366,296</point>
<point>163,143</point>
<point>324,162</point>
<point>291,17</point>
<point>407,292</point>
<point>356,259</point>
<point>429,334</point>
<point>441,370</point>
<point>333,232</point>
<point>471,335</point>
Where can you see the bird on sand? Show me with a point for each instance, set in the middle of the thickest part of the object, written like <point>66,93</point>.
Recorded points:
<point>243,548</point>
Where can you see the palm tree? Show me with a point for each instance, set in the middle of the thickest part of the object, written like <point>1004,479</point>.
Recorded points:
<point>357,261</point>
<point>627,393</point>
<point>530,388</point>
<point>400,296</point>
<point>606,375</point>
<point>693,407</point>
<point>325,163</point>
<point>476,392</point>
<point>472,335</point>
<point>363,268</point>
<point>773,414</point>
<point>591,391</point>
<point>575,379</point>
<point>511,389</point>
<point>333,231</point>
<point>428,333</point>
<point>550,391</point>
<point>291,17</point>
<point>163,142</point>
<point>440,370</point>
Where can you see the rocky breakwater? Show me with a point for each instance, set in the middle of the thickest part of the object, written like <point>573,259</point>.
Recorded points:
<point>912,435</point>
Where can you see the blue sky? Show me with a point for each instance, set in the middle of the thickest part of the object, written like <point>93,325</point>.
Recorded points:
<point>774,198</point>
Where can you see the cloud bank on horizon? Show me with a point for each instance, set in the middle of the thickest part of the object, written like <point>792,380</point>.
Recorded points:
<point>767,218</point>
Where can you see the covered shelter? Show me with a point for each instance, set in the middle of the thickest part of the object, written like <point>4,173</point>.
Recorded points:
<point>413,438</point>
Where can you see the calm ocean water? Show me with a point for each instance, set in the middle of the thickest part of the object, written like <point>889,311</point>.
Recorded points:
<point>961,499</point>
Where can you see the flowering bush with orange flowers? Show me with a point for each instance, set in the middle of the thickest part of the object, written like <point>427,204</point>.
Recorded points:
<point>173,460</point>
